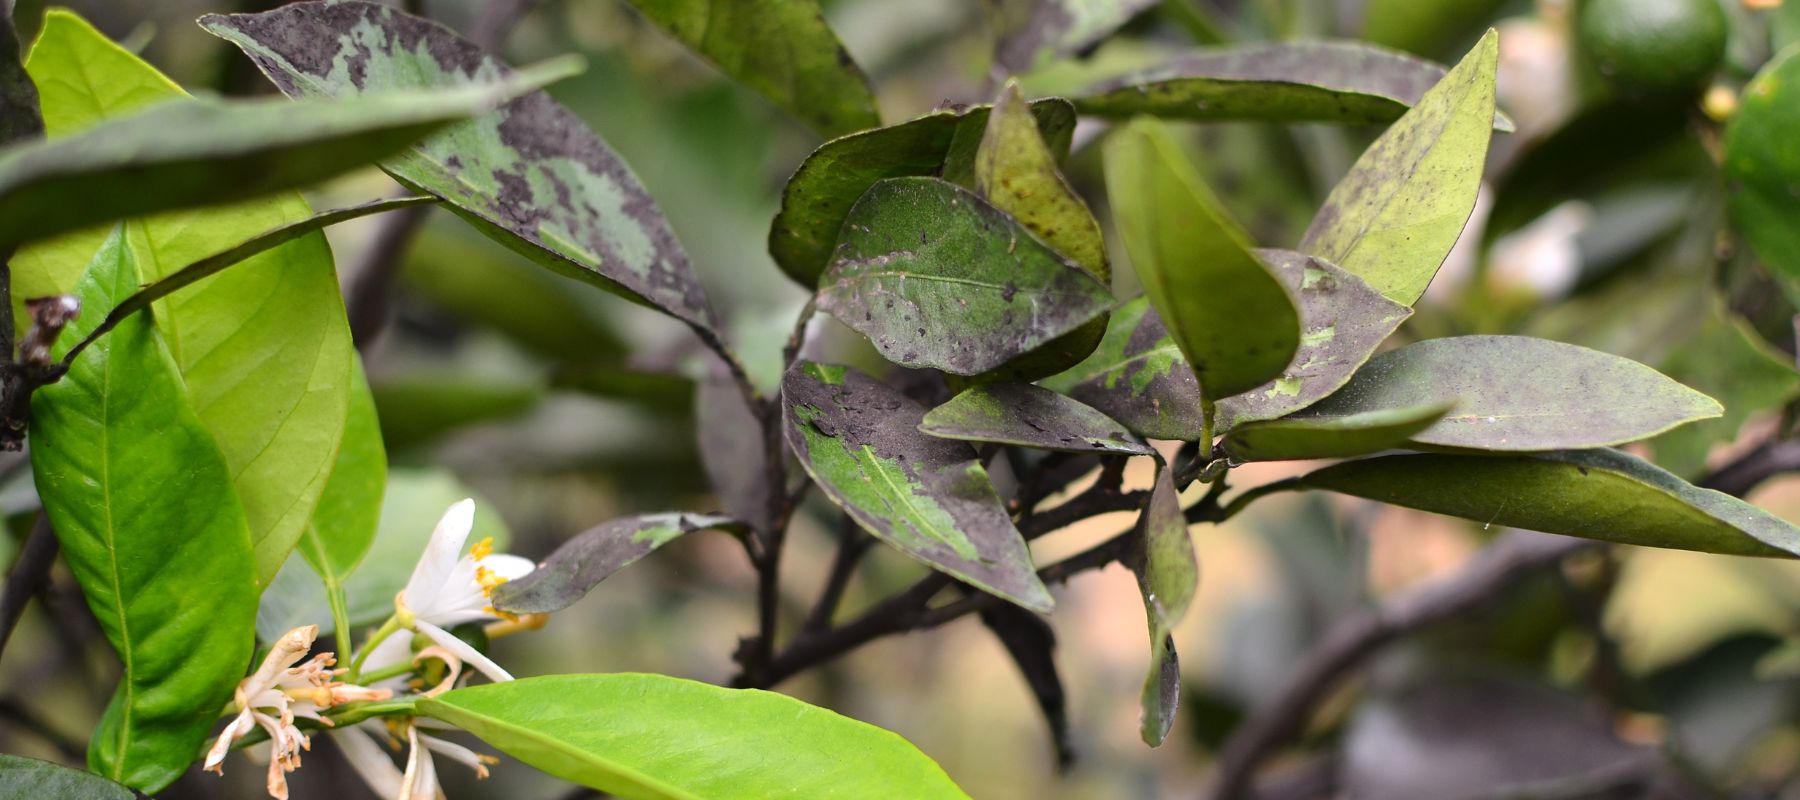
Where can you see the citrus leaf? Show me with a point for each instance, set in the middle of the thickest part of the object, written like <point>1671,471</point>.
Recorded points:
<point>1394,218</point>
<point>1342,321</point>
<point>1519,393</point>
<point>1138,377</point>
<point>1727,359</point>
<point>1305,437</point>
<point>937,277</point>
<point>1302,81</point>
<point>1031,33</point>
<point>654,737</point>
<point>1762,165</point>
<point>264,348</point>
<point>1168,576</point>
<point>1594,494</point>
<point>142,503</point>
<point>529,174</point>
<point>581,563</point>
<point>821,191</point>
<point>859,440</point>
<point>781,48</point>
<point>1030,416</point>
<point>1231,317</point>
<point>29,777</point>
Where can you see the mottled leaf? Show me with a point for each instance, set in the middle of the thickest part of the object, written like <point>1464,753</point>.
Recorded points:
<point>1030,416</point>
<point>1138,377</point>
<point>1394,218</point>
<point>654,737</point>
<point>1337,436</point>
<point>1726,359</point>
<point>581,563</point>
<point>19,116</point>
<point>1168,575</point>
<point>1519,393</point>
<point>1595,494</point>
<point>937,277</point>
<point>29,777</point>
<point>142,503</point>
<point>191,153</point>
<point>1342,321</point>
<point>781,48</point>
<point>530,174</point>
<point>1034,32</point>
<point>1299,81</point>
<point>264,349</point>
<point>730,435</point>
<point>1229,314</point>
<point>819,195</point>
<point>1031,642</point>
<point>929,497</point>
<point>1761,163</point>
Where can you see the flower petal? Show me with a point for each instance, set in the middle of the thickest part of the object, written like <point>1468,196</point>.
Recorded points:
<point>420,780</point>
<point>468,654</point>
<point>456,752</point>
<point>365,754</point>
<point>508,566</point>
<point>441,554</point>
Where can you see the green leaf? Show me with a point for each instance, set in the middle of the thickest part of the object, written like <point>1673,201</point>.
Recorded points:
<point>1030,416</point>
<point>529,174</point>
<point>1138,377</point>
<point>1761,162</point>
<point>1168,576</point>
<point>1342,321</point>
<point>937,277</point>
<point>343,524</point>
<point>1518,393</point>
<point>269,379</point>
<point>1301,81</point>
<point>142,502</point>
<point>1339,436</point>
<point>1231,317</point>
<point>192,153</point>
<point>29,777</point>
<point>1727,359</point>
<point>819,195</point>
<point>581,563</point>
<point>781,48</point>
<point>1394,218</point>
<point>859,440</point>
<point>421,408</point>
<point>654,737</point>
<point>1595,494</point>
<point>1031,33</point>
<point>411,504</point>
<point>1425,28</point>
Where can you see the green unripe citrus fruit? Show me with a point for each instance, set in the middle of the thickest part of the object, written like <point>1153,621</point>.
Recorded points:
<point>1653,46</point>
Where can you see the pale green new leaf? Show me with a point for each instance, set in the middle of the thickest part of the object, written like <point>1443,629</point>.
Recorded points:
<point>142,503</point>
<point>1232,318</point>
<point>781,48</point>
<point>654,737</point>
<point>1394,218</point>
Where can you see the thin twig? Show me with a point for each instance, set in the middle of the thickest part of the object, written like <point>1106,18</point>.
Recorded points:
<point>29,575</point>
<point>852,544</point>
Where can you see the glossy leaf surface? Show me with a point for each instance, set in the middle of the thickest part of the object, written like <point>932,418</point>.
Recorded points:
<point>781,48</point>
<point>263,348</point>
<point>1138,377</point>
<point>653,736</point>
<point>1342,321</point>
<point>1168,575</point>
<point>1030,416</point>
<point>530,174</point>
<point>1596,494</point>
<point>1394,218</point>
<point>1231,317</point>
<point>937,277</point>
<point>581,563</point>
<point>1519,393</point>
<point>1761,163</point>
<point>1329,436</point>
<point>1297,81</point>
<point>142,503</point>
<point>821,191</point>
<point>929,497</point>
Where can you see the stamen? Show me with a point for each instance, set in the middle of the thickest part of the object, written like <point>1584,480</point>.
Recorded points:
<point>482,549</point>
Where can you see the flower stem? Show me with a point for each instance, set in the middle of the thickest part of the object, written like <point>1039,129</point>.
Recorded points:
<point>381,634</point>
<point>340,622</point>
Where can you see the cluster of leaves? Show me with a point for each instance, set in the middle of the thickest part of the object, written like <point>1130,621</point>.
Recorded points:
<point>186,452</point>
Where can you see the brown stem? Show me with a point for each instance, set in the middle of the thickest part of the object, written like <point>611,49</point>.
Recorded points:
<point>29,575</point>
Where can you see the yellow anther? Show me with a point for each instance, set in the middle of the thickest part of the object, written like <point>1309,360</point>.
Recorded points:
<point>482,549</point>
<point>488,579</point>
